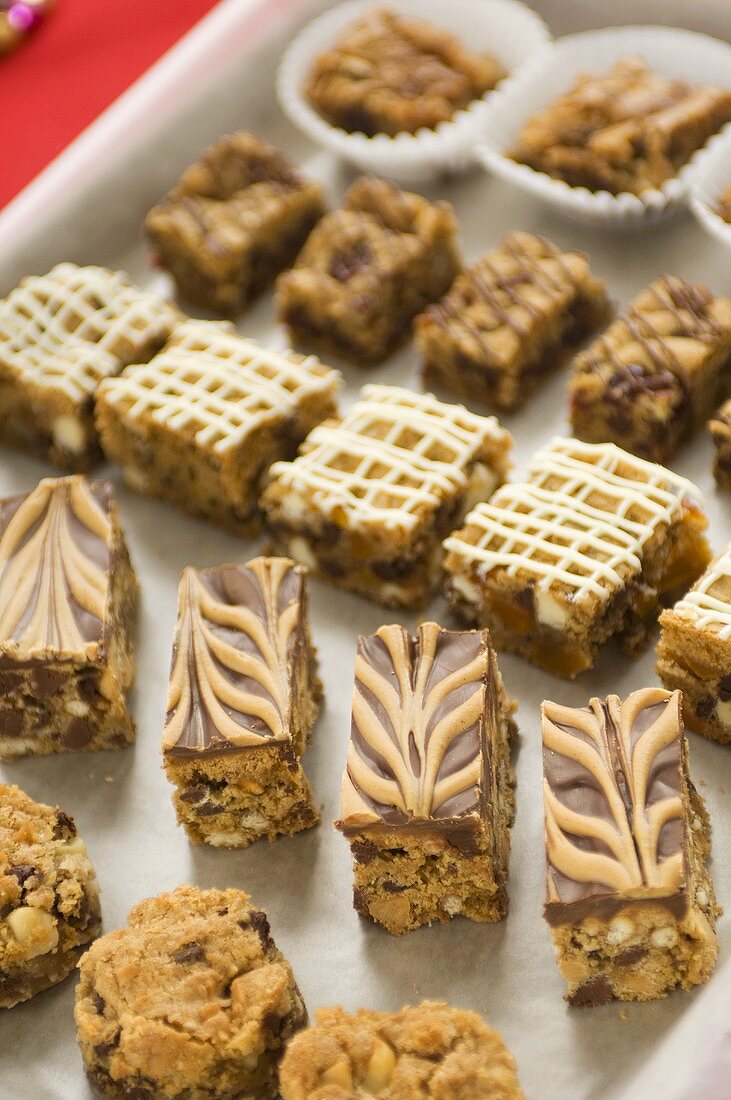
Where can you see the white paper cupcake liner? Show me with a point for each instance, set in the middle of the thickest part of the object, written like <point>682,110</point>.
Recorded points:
<point>709,177</point>
<point>506,28</point>
<point>671,52</point>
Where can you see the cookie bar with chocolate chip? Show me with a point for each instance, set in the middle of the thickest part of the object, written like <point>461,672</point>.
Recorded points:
<point>367,270</point>
<point>629,898</point>
<point>427,796</point>
<point>243,697</point>
<point>191,1000</point>
<point>234,220</point>
<point>720,429</point>
<point>694,652</point>
<point>60,335</point>
<point>658,372</point>
<point>509,320</point>
<point>49,897</point>
<point>585,550</point>
<point>369,498</point>
<point>68,601</point>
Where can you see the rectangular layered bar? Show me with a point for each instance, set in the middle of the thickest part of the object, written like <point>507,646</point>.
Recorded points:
<point>234,220</point>
<point>584,551</point>
<point>367,270</point>
<point>60,335</point>
<point>427,797</point>
<point>243,697</point>
<point>720,429</point>
<point>68,598</point>
<point>694,652</point>
<point>629,898</point>
<point>200,424</point>
<point>658,372</point>
<point>369,498</point>
<point>629,129</point>
<point>509,320</point>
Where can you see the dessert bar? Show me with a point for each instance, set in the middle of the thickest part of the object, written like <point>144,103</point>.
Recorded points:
<point>583,551</point>
<point>389,73</point>
<point>720,429</point>
<point>509,320</point>
<point>724,205</point>
<point>200,424</point>
<point>369,498</point>
<point>426,1051</point>
<point>629,900</point>
<point>49,896</point>
<point>694,652</point>
<point>629,129</point>
<point>427,797</point>
<point>234,220</point>
<point>191,1000</point>
<point>68,601</point>
<point>658,372</point>
<point>367,270</point>
<point>60,335</point>
<point>243,698</point>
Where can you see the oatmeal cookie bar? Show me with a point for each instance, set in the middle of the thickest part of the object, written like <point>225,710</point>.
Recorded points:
<point>720,429</point>
<point>367,270</point>
<point>427,796</point>
<point>60,335</point>
<point>694,652</point>
<point>243,697</point>
<point>629,898</point>
<point>426,1052</point>
<point>234,220</point>
<point>629,129</point>
<point>200,424</point>
<point>192,1001</point>
<point>658,372</point>
<point>369,498</point>
<point>68,602</point>
<point>509,320</point>
<point>49,897</point>
<point>389,73</point>
<point>582,552</point>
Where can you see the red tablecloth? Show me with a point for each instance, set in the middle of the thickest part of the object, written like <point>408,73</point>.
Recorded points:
<point>83,57</point>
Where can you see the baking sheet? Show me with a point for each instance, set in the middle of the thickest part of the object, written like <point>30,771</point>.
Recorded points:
<point>121,801</point>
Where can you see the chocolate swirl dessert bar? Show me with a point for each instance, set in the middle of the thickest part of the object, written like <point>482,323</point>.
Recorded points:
<point>584,551</point>
<point>200,424</point>
<point>510,320</point>
<point>60,335</point>
<point>68,598</point>
<point>658,372</point>
<point>629,899</point>
<point>427,796</point>
<point>694,652</point>
<point>369,498</point>
<point>242,700</point>
<point>720,429</point>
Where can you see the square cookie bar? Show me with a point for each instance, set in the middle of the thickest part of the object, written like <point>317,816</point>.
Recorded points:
<point>191,1001</point>
<point>657,373</point>
<point>720,429</point>
<point>427,797</point>
<point>68,602</point>
<point>389,73</point>
<point>369,498</point>
<point>509,320</point>
<point>60,335</point>
<point>426,1051</point>
<point>200,424</point>
<point>234,220</point>
<point>629,129</point>
<point>243,697</point>
<point>367,270</point>
<point>581,552</point>
<point>629,898</point>
<point>48,894</point>
<point>694,652</point>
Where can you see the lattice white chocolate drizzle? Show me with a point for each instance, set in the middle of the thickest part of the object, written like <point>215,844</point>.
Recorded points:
<point>708,603</point>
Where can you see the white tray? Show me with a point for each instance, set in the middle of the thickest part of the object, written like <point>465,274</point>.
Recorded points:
<point>89,207</point>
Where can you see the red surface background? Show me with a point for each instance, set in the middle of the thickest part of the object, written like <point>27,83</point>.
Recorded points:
<point>78,62</point>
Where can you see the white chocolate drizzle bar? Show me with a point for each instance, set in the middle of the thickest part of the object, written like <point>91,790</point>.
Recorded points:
<point>708,603</point>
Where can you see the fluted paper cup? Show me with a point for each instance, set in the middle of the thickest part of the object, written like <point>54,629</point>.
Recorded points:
<point>709,178</point>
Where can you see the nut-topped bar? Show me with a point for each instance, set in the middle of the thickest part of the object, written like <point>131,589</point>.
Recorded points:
<point>629,899</point>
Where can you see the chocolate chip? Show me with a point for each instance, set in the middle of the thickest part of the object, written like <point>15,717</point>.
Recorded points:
<point>393,887</point>
<point>78,733</point>
<point>99,1003</point>
<point>346,264</point>
<point>524,598</point>
<point>724,689</point>
<point>65,826</point>
<point>359,902</point>
<point>364,851</point>
<point>394,570</point>
<point>189,953</point>
<point>631,955</point>
<point>10,682</point>
<point>209,809</point>
<point>48,681</point>
<point>11,723</point>
<point>257,922</point>
<point>87,688</point>
<point>705,707</point>
<point>332,568</point>
<point>102,1049</point>
<point>594,991</point>
<point>273,1023</point>
<point>193,794</point>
